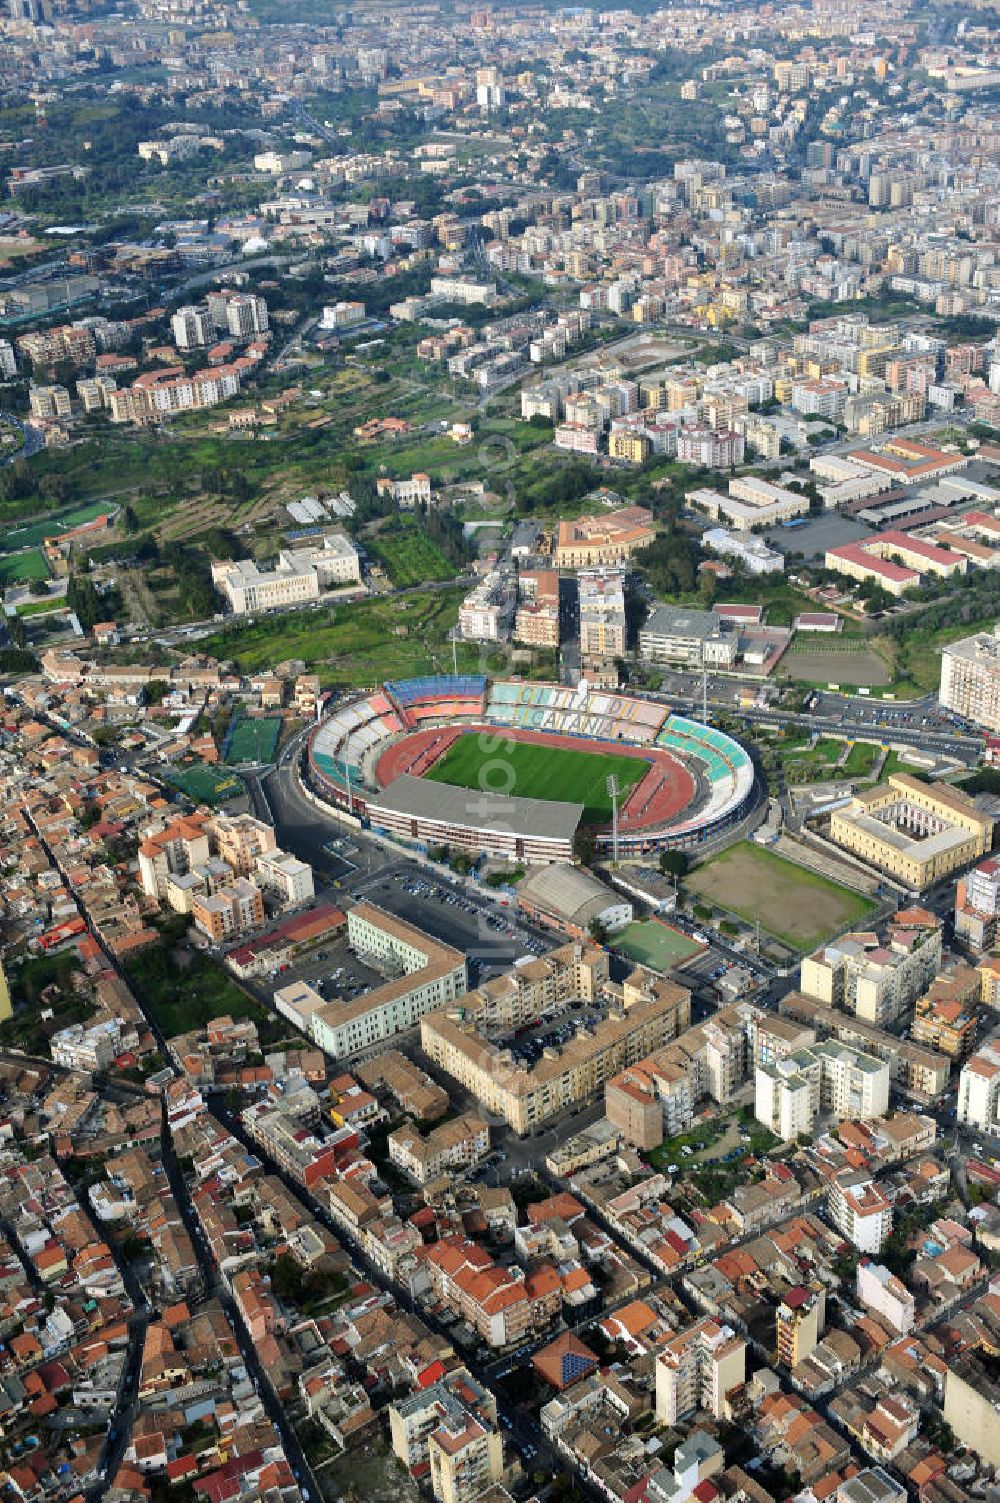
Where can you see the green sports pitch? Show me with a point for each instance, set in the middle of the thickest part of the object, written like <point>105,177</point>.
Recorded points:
<point>252,739</point>
<point>204,784</point>
<point>545,772</point>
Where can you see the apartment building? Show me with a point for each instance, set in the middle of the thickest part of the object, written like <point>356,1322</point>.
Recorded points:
<point>914,1070</point>
<point>977,906</point>
<point>709,449</point>
<point>503,1305</point>
<point>536,622</point>
<point>451,1429</point>
<point>587,542</point>
<point>885,1294</point>
<point>452,1145</point>
<point>299,575</point>
<point>979,1090</point>
<point>859,1209</point>
<point>192,327</point>
<point>172,850</point>
<point>86,1049</point>
<point>799,1322</point>
<point>602,614</point>
<point>240,840</point>
<point>700,1368</point>
<point>678,635</point>
<point>946,1017</point>
<point>970,678</point>
<point>288,878</point>
<point>487,612</point>
<point>240,315</point>
<point>525,1098</point>
<point>877,979</point>
<point>228,913</point>
<point>790,1093</point>
<point>423,975</point>
<point>915,832</point>
<point>49,402</point>
<point>65,343</point>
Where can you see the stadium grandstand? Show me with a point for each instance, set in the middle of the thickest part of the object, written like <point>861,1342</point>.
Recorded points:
<point>695,781</point>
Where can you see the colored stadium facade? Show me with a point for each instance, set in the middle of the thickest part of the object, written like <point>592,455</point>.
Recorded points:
<point>372,753</point>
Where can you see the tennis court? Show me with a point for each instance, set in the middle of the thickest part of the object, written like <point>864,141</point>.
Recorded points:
<point>653,943</point>
<point>204,784</point>
<point>252,740</point>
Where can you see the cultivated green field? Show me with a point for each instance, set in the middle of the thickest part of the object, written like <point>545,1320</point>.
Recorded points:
<point>652,943</point>
<point>253,740</point>
<point>572,777</point>
<point>410,557</point>
<point>797,906</point>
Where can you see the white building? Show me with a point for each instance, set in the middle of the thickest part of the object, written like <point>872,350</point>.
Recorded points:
<point>487,612</point>
<point>86,1049</point>
<point>464,290</point>
<point>752,552</point>
<point>192,328</point>
<point>300,575</point>
<point>888,1296</point>
<point>970,678</point>
<point>282,873</point>
<point>407,494</point>
<point>790,1093</point>
<point>859,1209</point>
<point>979,1089</point>
<point>342,315</point>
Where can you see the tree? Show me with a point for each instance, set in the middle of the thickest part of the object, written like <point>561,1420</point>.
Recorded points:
<point>673,863</point>
<point>598,931</point>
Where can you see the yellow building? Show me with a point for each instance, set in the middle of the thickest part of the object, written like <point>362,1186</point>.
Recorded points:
<point>525,1098</point>
<point>625,444</point>
<point>914,831</point>
<point>6,1010</point>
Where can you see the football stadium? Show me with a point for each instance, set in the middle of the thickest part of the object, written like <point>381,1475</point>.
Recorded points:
<point>510,769</point>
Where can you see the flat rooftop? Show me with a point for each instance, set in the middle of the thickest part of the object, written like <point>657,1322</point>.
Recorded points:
<point>504,814</point>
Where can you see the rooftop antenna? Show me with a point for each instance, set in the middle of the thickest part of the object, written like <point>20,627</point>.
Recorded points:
<point>613,791</point>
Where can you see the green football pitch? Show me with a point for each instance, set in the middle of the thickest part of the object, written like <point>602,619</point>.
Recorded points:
<point>252,739</point>
<point>204,784</point>
<point>658,945</point>
<point>545,772</point>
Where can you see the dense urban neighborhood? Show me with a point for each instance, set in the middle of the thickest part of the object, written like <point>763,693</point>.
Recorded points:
<point>499,752</point>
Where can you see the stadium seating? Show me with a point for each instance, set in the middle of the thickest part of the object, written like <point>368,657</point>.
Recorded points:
<point>350,737</point>
<point>443,696</point>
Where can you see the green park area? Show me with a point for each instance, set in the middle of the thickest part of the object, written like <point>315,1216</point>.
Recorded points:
<point>543,772</point>
<point>361,643</point>
<point>183,990</point>
<point>797,906</point>
<point>653,943</point>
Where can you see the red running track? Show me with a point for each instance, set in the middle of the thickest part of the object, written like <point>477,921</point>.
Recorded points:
<point>664,793</point>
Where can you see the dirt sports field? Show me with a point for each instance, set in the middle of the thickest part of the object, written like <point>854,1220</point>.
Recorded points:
<point>799,907</point>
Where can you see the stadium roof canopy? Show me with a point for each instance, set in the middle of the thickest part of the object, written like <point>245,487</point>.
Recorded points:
<point>504,813</point>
